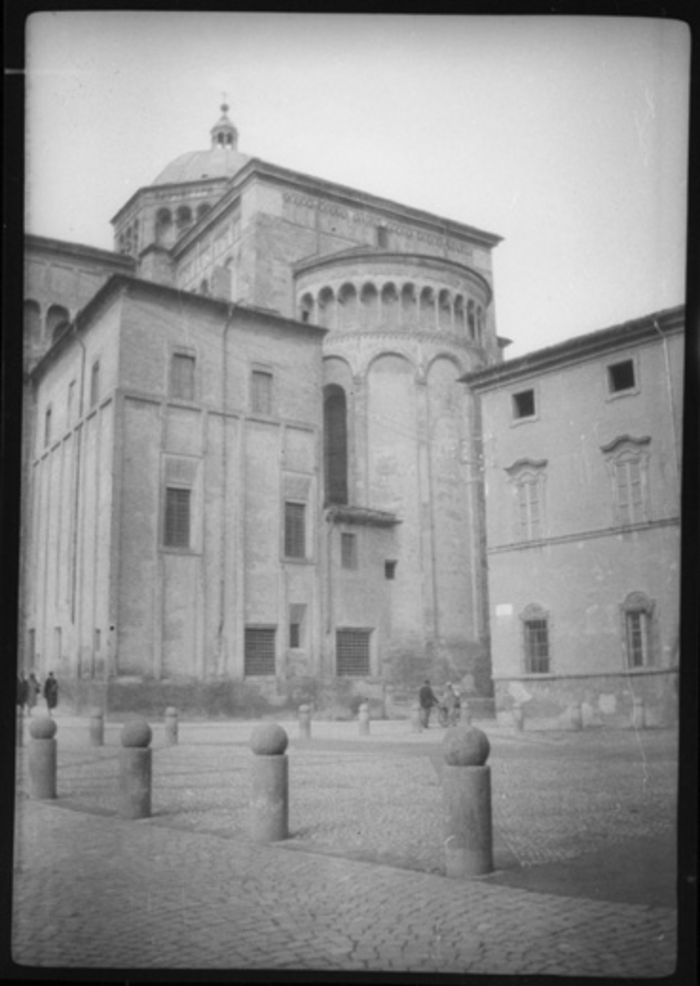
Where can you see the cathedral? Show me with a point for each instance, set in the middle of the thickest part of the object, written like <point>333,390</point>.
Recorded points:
<point>259,436</point>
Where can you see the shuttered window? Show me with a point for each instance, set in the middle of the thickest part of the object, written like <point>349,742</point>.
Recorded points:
<point>295,530</point>
<point>177,517</point>
<point>536,646</point>
<point>352,653</point>
<point>259,657</point>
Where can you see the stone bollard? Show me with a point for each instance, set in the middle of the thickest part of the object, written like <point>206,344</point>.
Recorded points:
<point>97,728</point>
<point>305,721</point>
<point>519,718</point>
<point>269,803</point>
<point>639,719</point>
<point>466,799</point>
<point>576,717</point>
<point>42,758</point>
<point>416,720</point>
<point>171,726</point>
<point>364,719</point>
<point>135,760</point>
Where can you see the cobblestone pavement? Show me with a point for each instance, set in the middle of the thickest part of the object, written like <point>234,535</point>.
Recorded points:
<point>359,884</point>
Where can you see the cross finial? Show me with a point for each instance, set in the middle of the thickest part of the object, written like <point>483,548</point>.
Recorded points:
<point>224,105</point>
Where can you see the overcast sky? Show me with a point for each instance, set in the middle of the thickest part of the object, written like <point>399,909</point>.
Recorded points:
<point>566,136</point>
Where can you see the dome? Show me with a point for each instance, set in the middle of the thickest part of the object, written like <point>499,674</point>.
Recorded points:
<point>217,162</point>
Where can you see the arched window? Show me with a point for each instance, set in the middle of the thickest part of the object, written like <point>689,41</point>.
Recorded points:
<point>347,307</point>
<point>184,217</point>
<point>471,319</point>
<point>57,318</point>
<point>164,221</point>
<point>409,304</point>
<point>390,306</point>
<point>445,310</point>
<point>326,309</point>
<point>32,323</point>
<point>306,308</point>
<point>335,444</point>
<point>427,308</point>
<point>460,315</point>
<point>369,302</point>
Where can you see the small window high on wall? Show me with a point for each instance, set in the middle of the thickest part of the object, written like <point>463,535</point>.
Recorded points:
<point>335,445</point>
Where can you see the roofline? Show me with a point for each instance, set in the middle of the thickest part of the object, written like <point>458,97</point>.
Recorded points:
<point>667,321</point>
<point>222,179</point>
<point>79,249</point>
<point>120,283</point>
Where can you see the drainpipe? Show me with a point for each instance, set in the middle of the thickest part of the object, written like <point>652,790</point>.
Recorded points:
<point>669,388</point>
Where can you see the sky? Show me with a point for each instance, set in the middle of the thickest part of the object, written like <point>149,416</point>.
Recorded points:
<point>566,136</point>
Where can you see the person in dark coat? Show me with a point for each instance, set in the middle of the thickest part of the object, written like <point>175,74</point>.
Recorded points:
<point>427,699</point>
<point>51,692</point>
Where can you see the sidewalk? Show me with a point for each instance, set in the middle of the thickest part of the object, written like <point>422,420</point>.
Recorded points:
<point>189,889</point>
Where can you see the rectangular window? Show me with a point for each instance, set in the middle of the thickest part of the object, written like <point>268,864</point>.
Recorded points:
<point>536,647</point>
<point>261,392</point>
<point>524,404</point>
<point>177,517</point>
<point>95,383</point>
<point>182,376</point>
<point>47,426</point>
<point>295,530</point>
<point>297,612</point>
<point>348,550</point>
<point>629,493</point>
<point>637,639</point>
<point>259,656</point>
<point>389,569</point>
<point>529,510</point>
<point>352,653</point>
<point>621,376</point>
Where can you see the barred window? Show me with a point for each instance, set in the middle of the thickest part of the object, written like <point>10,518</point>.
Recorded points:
<point>536,646</point>
<point>261,392</point>
<point>352,653</point>
<point>348,550</point>
<point>177,517</point>
<point>182,376</point>
<point>295,530</point>
<point>259,656</point>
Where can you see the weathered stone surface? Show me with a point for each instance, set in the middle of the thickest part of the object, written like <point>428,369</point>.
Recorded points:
<point>269,740</point>
<point>42,727</point>
<point>136,733</point>
<point>465,746</point>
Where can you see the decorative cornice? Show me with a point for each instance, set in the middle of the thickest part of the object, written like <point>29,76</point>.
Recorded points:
<point>624,440</point>
<point>606,532</point>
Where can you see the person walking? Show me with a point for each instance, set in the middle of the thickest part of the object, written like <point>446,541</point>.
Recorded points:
<point>426,700</point>
<point>33,691</point>
<point>51,692</point>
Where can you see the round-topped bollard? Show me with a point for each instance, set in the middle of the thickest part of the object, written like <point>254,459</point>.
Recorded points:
<point>172,726</point>
<point>97,727</point>
<point>363,717</point>
<point>466,799</point>
<point>135,768</point>
<point>42,757</point>
<point>305,721</point>
<point>416,719</point>
<point>269,801</point>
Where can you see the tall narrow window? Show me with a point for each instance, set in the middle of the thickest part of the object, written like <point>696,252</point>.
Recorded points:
<point>637,630</point>
<point>95,383</point>
<point>627,462</point>
<point>295,530</point>
<point>528,479</point>
<point>261,392</point>
<point>335,444</point>
<point>297,612</point>
<point>352,653</point>
<point>259,651</point>
<point>47,426</point>
<point>182,367</point>
<point>348,550</point>
<point>536,640</point>
<point>177,517</point>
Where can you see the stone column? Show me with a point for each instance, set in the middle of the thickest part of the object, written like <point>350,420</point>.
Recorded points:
<point>97,728</point>
<point>466,794</point>
<point>42,758</point>
<point>171,726</point>
<point>135,760</point>
<point>269,803</point>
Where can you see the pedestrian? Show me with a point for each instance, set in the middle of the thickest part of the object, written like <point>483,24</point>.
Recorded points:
<point>33,691</point>
<point>450,705</point>
<point>426,699</point>
<point>51,692</point>
<point>22,691</point>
